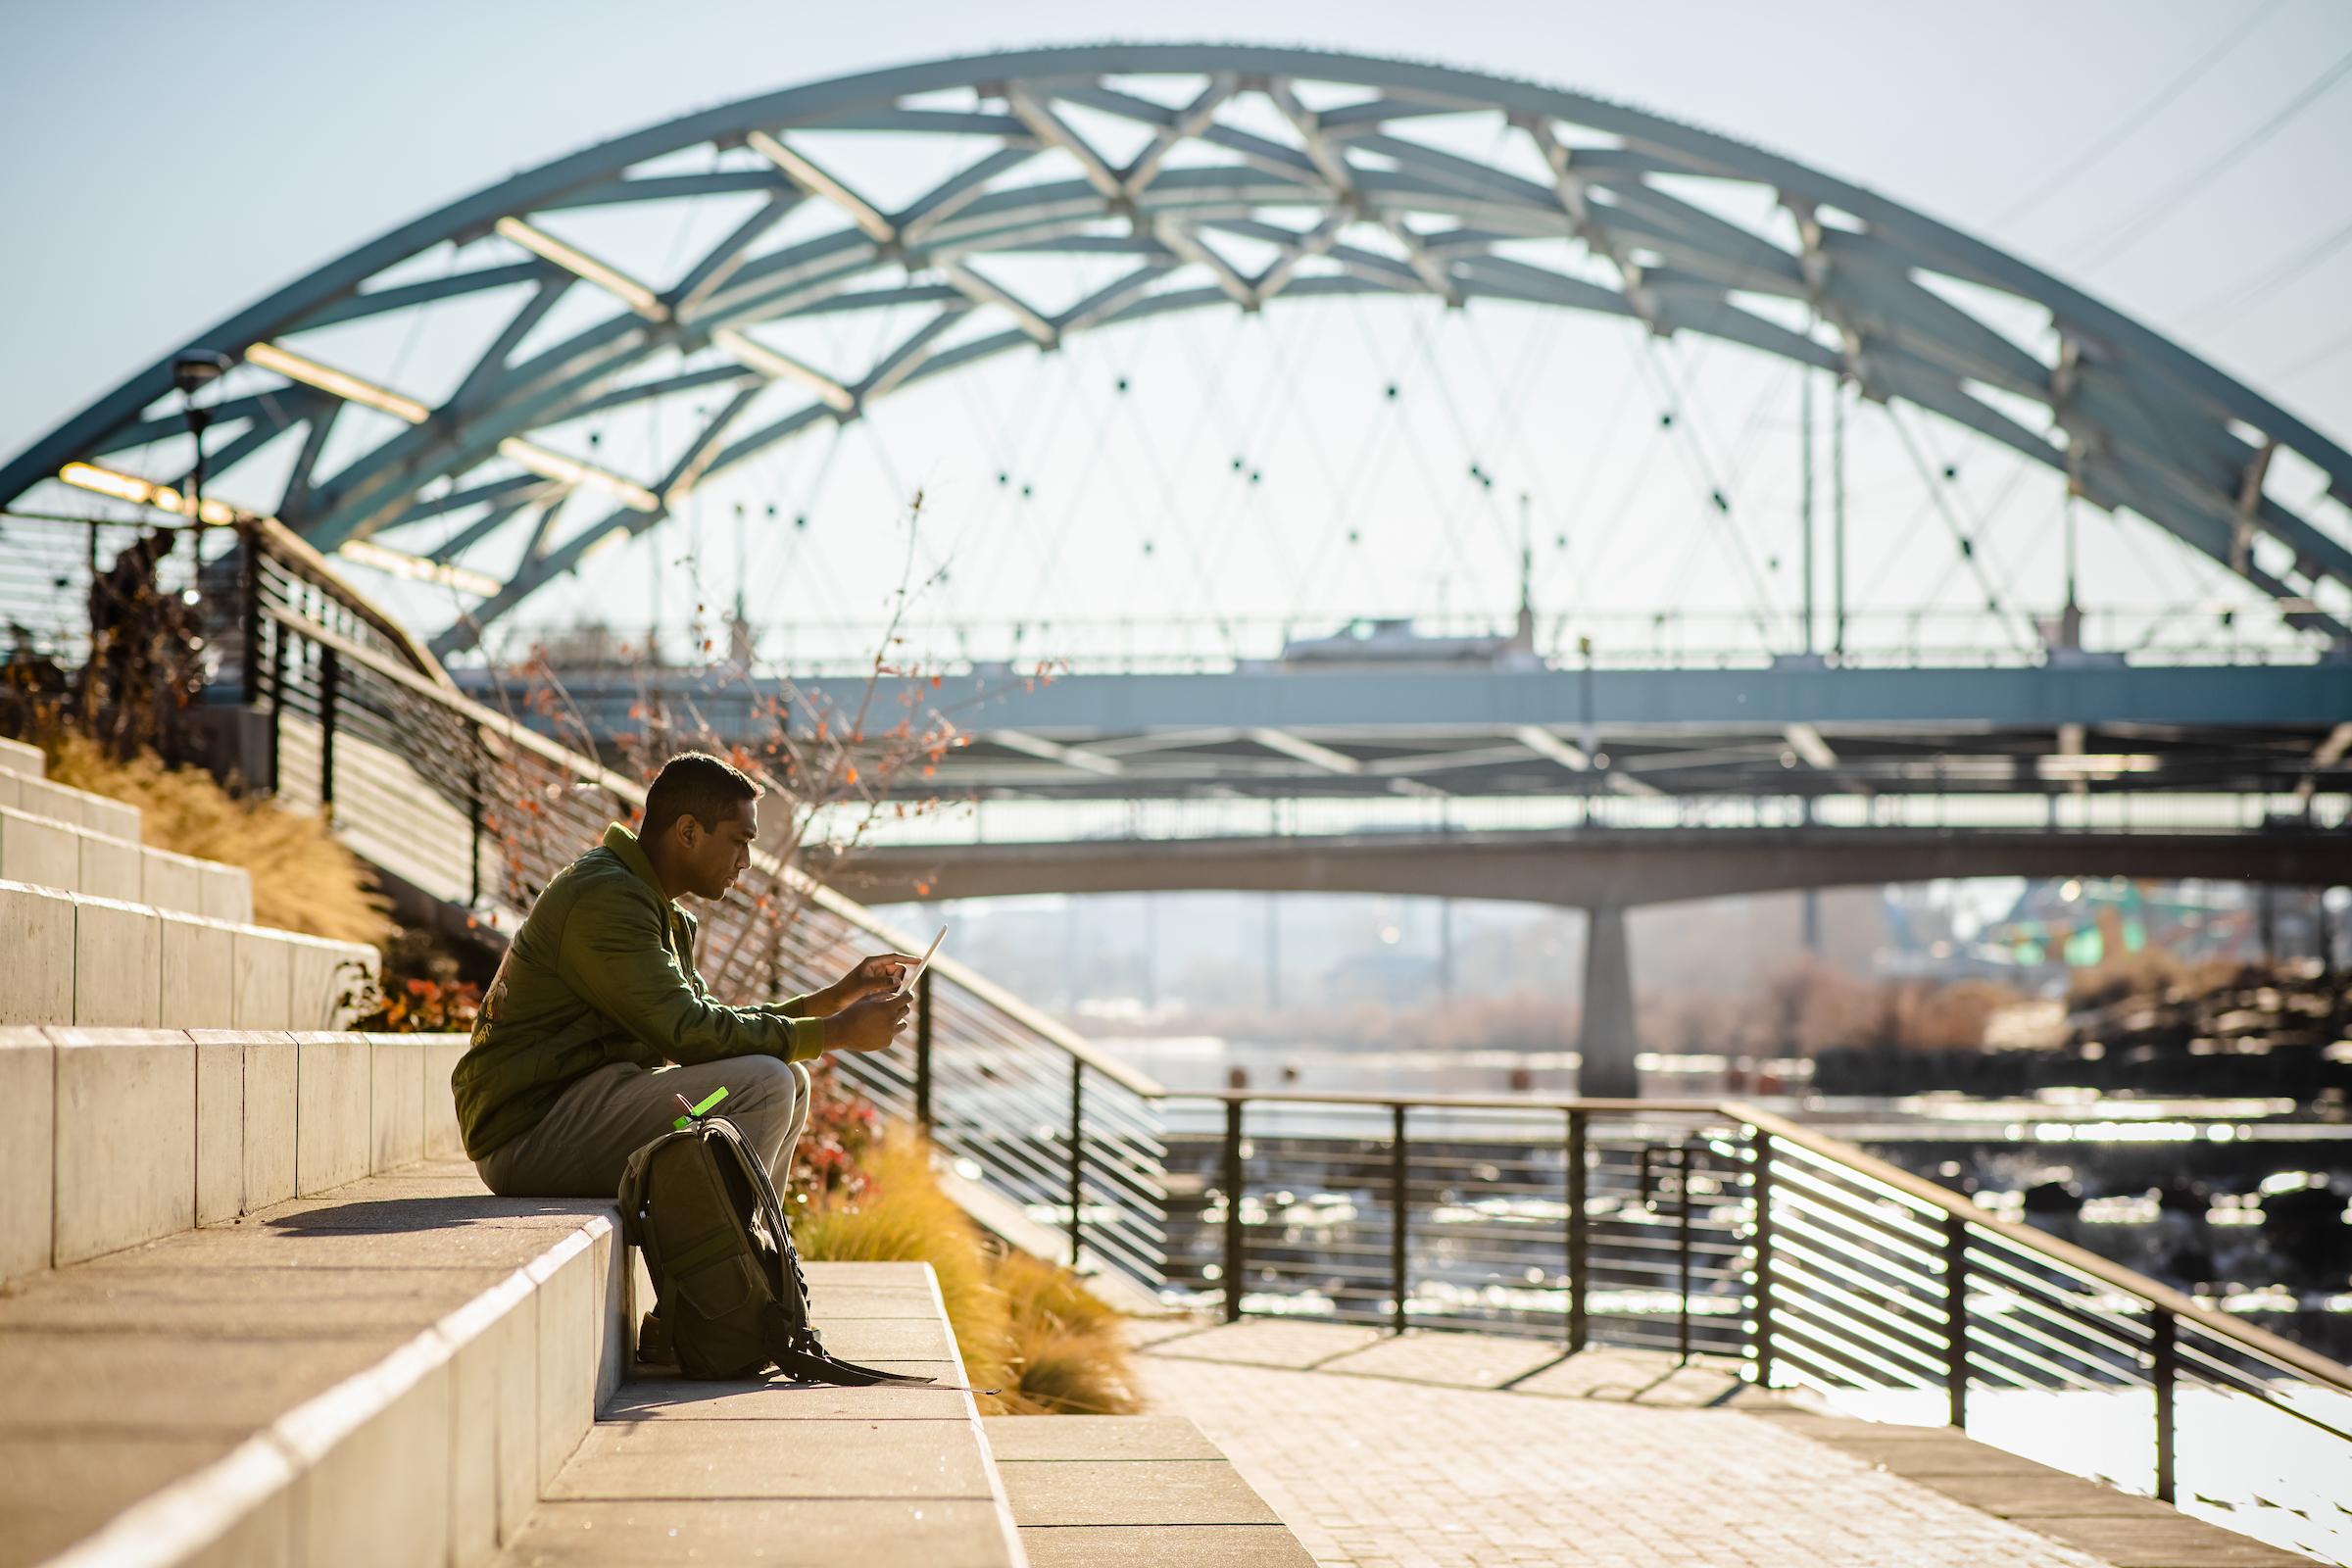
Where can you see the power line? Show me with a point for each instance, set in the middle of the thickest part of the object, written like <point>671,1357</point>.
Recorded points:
<point>2168,205</point>
<point>2139,117</point>
<point>2236,300</point>
<point>2316,357</point>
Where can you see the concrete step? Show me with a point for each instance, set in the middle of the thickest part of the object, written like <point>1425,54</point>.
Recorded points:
<point>39,796</point>
<point>75,959</point>
<point>1133,1492</point>
<point>23,761</point>
<point>389,1373</point>
<point>111,1138</point>
<point>788,1474</point>
<point>71,856</point>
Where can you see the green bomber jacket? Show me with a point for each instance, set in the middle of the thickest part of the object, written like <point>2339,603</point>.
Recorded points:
<point>603,971</point>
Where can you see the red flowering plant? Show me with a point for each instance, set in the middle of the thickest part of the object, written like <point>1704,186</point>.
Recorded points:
<point>414,1005</point>
<point>830,1160</point>
<point>418,992</point>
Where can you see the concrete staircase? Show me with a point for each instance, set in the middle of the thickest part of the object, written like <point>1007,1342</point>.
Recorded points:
<point>99,930</point>
<point>256,1307</point>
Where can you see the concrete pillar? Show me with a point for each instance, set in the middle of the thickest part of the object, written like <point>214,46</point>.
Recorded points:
<point>1606,1043</point>
<point>1273,950</point>
<point>1812,898</point>
<point>1150,953</point>
<point>1445,948</point>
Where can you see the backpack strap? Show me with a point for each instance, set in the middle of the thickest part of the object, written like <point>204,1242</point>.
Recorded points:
<point>799,1351</point>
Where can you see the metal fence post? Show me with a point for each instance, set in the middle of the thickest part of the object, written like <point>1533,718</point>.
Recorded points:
<point>1397,1235</point>
<point>1682,1226</point>
<point>2164,1351</point>
<point>1759,1145</point>
<point>1578,1232</point>
<point>249,609</point>
<point>277,699</point>
<point>473,822</point>
<point>922,1053</point>
<point>330,684</point>
<point>1077,1154</point>
<point>1234,1258</point>
<point>1955,1310</point>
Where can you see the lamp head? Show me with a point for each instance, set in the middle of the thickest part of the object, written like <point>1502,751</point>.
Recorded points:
<point>196,368</point>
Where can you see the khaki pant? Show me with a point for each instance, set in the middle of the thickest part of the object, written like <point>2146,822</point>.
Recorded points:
<point>579,1149</point>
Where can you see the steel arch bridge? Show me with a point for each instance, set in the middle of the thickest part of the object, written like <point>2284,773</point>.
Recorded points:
<point>1325,169</point>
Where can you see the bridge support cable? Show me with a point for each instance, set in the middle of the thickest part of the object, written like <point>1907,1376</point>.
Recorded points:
<point>1961,537</point>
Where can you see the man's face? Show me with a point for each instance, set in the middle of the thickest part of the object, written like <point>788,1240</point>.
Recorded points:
<point>714,857</point>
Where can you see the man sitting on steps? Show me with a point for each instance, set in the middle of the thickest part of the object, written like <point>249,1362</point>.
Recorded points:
<point>566,1076</point>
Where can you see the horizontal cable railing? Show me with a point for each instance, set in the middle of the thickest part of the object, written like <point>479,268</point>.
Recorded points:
<point>1695,1228</point>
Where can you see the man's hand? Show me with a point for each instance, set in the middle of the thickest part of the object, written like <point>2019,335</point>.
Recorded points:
<point>872,977</point>
<point>869,1025</point>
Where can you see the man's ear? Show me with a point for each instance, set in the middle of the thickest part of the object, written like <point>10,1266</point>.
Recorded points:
<point>688,829</point>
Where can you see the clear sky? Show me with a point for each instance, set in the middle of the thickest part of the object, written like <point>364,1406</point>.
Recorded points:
<point>169,162</point>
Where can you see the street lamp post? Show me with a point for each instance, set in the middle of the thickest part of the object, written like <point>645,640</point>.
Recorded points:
<point>191,372</point>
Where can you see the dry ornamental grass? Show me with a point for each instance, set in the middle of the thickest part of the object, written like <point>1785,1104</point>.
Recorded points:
<point>1025,1327</point>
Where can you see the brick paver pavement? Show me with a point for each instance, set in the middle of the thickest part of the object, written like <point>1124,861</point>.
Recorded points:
<point>1373,1472</point>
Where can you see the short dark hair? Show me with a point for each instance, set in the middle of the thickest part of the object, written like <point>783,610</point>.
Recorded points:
<point>699,783</point>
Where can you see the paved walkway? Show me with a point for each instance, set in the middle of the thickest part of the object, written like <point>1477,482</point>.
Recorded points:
<point>1400,1455</point>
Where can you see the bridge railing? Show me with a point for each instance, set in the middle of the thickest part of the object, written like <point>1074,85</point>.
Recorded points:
<point>2176,633</point>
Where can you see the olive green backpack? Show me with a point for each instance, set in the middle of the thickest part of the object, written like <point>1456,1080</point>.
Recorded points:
<point>728,1280</point>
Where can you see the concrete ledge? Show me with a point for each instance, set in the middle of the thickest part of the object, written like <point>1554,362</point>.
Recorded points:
<point>43,798</point>
<point>332,1090</point>
<point>262,986</point>
<point>322,974</point>
<point>271,1110</point>
<point>219,1126</point>
<point>425,1451</point>
<point>126,1137</point>
<point>122,1135</point>
<point>36,954</point>
<point>443,1139</point>
<point>58,848</point>
<point>28,1149</point>
<point>22,761</point>
<point>118,964</point>
<point>172,881</point>
<point>396,1100</point>
<point>114,819</point>
<point>39,850</point>
<point>111,868</point>
<point>79,808</point>
<point>226,893</point>
<point>69,957</point>
<point>196,959</point>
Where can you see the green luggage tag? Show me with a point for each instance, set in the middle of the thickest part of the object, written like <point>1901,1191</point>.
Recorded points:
<point>698,1112</point>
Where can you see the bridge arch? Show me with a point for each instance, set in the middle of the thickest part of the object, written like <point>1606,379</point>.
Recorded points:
<point>1332,177</point>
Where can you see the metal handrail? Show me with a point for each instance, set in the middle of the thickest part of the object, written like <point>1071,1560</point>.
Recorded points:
<point>2253,1340</point>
